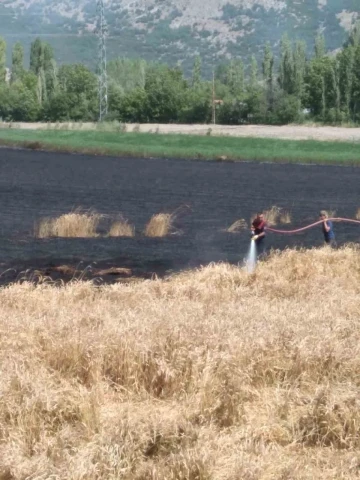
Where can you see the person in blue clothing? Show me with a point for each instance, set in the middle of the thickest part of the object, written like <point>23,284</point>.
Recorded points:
<point>328,229</point>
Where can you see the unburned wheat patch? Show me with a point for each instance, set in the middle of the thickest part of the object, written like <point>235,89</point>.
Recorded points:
<point>208,374</point>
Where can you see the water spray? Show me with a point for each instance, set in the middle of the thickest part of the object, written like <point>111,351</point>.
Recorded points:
<point>250,261</point>
<point>251,257</point>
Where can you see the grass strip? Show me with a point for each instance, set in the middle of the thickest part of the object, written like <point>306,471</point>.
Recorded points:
<point>185,146</point>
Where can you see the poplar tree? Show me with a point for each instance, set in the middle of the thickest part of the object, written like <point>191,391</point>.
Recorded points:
<point>42,63</point>
<point>320,48</point>
<point>255,99</point>
<point>323,98</point>
<point>268,74</point>
<point>335,79</point>
<point>36,56</point>
<point>346,77</point>
<point>17,64</point>
<point>253,72</point>
<point>354,37</point>
<point>235,78</point>
<point>267,65</point>
<point>53,76</point>
<point>299,69</point>
<point>356,81</point>
<point>238,85</point>
<point>286,71</point>
<point>230,74</point>
<point>196,75</point>
<point>2,60</point>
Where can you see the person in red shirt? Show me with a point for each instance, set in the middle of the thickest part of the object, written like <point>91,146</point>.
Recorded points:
<point>258,232</point>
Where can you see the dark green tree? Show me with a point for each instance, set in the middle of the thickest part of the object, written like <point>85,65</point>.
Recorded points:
<point>346,80</point>
<point>36,56</point>
<point>166,91</point>
<point>354,37</point>
<point>268,66</point>
<point>127,74</point>
<point>131,107</point>
<point>235,78</point>
<point>356,85</point>
<point>320,93</point>
<point>77,79</point>
<point>287,69</point>
<point>268,75</point>
<point>286,109</point>
<point>255,103</point>
<point>29,80</point>
<point>2,61</point>
<point>299,69</point>
<point>17,103</point>
<point>253,72</point>
<point>335,112</point>
<point>197,104</point>
<point>222,73</point>
<point>17,64</point>
<point>196,74</point>
<point>77,89</point>
<point>43,65</point>
<point>320,48</point>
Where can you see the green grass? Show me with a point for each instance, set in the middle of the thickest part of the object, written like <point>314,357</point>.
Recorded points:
<point>185,146</point>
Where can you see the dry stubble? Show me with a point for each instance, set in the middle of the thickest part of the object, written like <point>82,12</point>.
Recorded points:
<point>122,228</point>
<point>213,374</point>
<point>71,225</point>
<point>238,226</point>
<point>276,215</point>
<point>285,217</point>
<point>159,225</point>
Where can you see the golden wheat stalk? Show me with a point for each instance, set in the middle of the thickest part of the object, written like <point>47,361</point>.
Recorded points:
<point>121,228</point>
<point>73,224</point>
<point>159,225</point>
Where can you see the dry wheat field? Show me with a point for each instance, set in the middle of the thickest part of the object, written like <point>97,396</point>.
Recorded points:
<point>208,374</point>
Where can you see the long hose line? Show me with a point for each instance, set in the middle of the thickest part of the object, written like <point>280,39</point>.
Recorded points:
<point>298,230</point>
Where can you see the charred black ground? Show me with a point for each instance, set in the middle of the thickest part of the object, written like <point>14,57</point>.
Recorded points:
<point>38,184</point>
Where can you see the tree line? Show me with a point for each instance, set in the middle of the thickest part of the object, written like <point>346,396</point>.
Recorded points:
<point>293,87</point>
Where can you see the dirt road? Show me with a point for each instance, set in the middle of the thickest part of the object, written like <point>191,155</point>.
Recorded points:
<point>290,132</point>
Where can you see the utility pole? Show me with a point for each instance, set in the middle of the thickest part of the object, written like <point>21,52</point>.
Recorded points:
<point>102,64</point>
<point>213,100</point>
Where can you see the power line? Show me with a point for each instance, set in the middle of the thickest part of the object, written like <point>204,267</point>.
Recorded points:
<point>102,61</point>
<point>70,35</point>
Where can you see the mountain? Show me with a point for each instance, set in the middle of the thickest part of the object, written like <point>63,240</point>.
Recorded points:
<point>174,31</point>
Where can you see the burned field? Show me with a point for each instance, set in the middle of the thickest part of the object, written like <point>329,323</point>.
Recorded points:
<point>209,197</point>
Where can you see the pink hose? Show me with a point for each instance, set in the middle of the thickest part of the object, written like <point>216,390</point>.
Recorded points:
<point>274,230</point>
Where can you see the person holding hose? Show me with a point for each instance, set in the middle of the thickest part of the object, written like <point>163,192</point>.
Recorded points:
<point>258,232</point>
<point>327,228</point>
